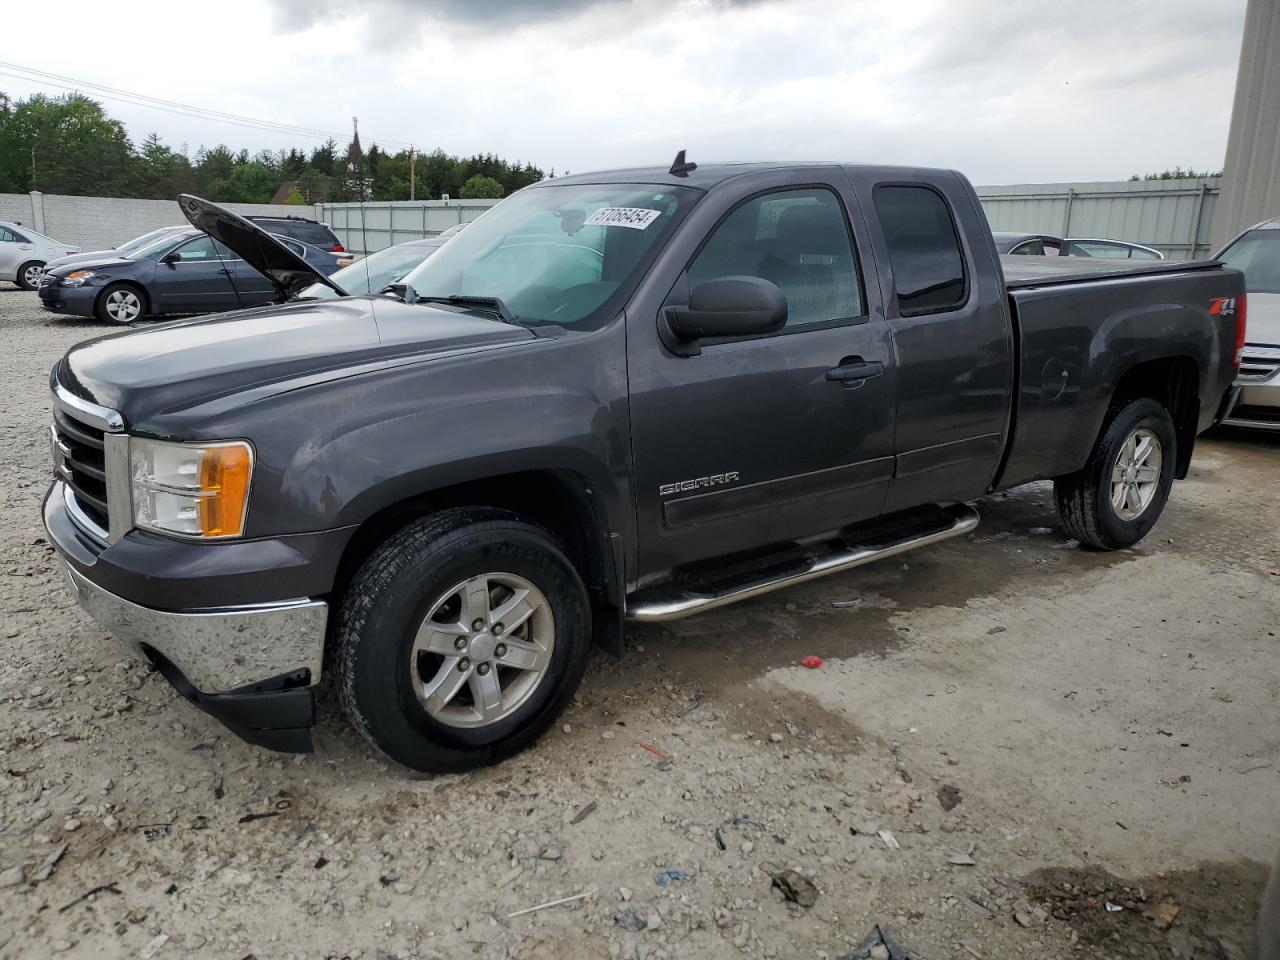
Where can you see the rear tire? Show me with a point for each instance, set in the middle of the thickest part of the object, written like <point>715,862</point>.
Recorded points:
<point>28,275</point>
<point>426,668</point>
<point>1117,498</point>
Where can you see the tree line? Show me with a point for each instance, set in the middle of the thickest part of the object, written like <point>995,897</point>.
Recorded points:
<point>69,145</point>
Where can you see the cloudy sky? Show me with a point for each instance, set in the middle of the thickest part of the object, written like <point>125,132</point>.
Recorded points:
<point>1005,91</point>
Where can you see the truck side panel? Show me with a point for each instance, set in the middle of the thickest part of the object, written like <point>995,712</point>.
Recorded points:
<point>1077,341</point>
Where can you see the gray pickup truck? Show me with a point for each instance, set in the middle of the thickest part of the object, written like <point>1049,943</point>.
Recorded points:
<point>636,395</point>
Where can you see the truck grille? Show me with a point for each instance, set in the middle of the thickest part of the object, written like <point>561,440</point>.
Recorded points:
<point>80,461</point>
<point>1258,362</point>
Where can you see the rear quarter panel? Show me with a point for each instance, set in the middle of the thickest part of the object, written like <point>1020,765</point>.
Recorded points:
<point>1078,340</point>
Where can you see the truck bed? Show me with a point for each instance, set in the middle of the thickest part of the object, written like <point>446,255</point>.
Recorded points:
<point>1023,272</point>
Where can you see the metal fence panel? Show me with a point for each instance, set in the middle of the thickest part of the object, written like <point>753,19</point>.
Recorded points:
<point>368,227</point>
<point>1173,216</point>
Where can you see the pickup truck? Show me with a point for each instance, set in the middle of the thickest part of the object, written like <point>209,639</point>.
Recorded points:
<point>635,395</point>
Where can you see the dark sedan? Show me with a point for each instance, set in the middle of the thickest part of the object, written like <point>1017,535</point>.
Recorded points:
<point>178,273</point>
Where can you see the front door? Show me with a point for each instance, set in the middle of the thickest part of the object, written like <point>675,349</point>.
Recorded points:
<point>754,441</point>
<point>196,278</point>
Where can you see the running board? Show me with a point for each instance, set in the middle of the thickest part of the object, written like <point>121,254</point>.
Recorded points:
<point>963,519</point>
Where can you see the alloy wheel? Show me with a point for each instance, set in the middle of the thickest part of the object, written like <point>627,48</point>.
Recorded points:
<point>123,306</point>
<point>1135,477</point>
<point>482,649</point>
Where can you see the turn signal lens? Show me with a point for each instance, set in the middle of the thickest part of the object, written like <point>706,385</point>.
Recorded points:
<point>224,481</point>
<point>193,490</point>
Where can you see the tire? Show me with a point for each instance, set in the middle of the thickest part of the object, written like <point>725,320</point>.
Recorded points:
<point>383,673</point>
<point>121,303</point>
<point>28,275</point>
<point>1085,499</point>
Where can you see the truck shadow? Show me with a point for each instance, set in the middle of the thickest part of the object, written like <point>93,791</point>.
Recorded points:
<point>1018,545</point>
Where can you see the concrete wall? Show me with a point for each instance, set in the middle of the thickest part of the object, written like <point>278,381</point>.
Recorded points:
<point>367,227</point>
<point>1174,216</point>
<point>97,223</point>
<point>1251,177</point>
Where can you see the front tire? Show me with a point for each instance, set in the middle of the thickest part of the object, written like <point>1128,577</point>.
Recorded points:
<point>121,303</point>
<point>1119,495</point>
<point>28,276</point>
<point>460,640</point>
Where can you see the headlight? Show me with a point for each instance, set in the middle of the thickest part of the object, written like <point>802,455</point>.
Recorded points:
<point>76,277</point>
<point>194,490</point>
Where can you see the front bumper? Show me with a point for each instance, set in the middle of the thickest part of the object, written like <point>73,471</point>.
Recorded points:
<point>1257,404</point>
<point>253,668</point>
<point>78,301</point>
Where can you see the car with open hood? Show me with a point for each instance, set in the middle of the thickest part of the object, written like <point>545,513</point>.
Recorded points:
<point>176,273</point>
<point>628,396</point>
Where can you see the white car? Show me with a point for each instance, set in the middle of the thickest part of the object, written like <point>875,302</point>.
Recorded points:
<point>23,254</point>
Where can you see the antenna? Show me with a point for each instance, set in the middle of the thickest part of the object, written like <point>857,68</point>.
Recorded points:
<point>681,167</point>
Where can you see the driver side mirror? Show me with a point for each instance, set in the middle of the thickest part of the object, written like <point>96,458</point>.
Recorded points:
<point>171,257</point>
<point>729,307</point>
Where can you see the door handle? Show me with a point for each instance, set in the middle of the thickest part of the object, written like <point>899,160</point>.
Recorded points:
<point>855,369</point>
<point>225,270</point>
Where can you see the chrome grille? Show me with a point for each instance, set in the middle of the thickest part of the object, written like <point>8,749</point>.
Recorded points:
<point>79,460</point>
<point>1259,362</point>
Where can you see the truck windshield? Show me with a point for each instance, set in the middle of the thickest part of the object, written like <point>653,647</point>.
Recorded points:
<point>1257,256</point>
<point>562,255</point>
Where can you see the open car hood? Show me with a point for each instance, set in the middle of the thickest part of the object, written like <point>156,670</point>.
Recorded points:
<point>288,272</point>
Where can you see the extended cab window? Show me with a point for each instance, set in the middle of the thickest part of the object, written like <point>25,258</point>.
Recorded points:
<point>795,238</point>
<point>924,249</point>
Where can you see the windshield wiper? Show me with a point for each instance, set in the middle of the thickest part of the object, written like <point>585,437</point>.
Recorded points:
<point>466,300</point>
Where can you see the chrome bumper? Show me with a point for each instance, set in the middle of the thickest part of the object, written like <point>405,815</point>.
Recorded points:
<point>216,650</point>
<point>1257,405</point>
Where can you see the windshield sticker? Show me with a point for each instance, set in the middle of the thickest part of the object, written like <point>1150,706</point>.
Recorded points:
<point>637,218</point>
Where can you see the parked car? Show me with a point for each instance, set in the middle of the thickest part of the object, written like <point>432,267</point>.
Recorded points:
<point>178,273</point>
<point>1256,253</point>
<point>1040,244</point>
<point>128,246</point>
<point>639,394</point>
<point>314,232</point>
<point>23,254</point>
<point>373,273</point>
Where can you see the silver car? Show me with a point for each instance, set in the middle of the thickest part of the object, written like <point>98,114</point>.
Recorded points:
<point>1256,253</point>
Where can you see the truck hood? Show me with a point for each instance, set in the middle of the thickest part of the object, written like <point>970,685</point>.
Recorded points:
<point>287,271</point>
<point>1262,319</point>
<point>251,354</point>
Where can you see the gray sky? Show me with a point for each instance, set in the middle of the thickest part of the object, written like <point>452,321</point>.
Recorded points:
<point>1005,91</point>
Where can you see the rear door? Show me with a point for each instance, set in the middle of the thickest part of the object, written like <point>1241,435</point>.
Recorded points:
<point>15,250</point>
<point>748,442</point>
<point>951,333</point>
<point>195,278</point>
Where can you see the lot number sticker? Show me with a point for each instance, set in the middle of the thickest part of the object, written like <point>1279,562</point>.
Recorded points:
<point>637,218</point>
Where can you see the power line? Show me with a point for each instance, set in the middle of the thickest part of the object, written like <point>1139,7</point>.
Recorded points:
<point>63,82</point>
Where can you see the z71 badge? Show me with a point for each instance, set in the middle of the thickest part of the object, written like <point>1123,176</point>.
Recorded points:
<point>698,483</point>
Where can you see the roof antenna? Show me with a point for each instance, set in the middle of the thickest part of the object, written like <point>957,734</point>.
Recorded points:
<point>681,167</point>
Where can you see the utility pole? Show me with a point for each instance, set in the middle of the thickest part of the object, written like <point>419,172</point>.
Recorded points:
<point>33,167</point>
<point>411,178</point>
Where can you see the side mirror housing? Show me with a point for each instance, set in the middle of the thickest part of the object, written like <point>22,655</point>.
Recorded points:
<point>170,258</point>
<point>729,307</point>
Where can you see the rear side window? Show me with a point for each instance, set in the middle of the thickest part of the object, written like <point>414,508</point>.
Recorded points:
<point>1032,248</point>
<point>794,238</point>
<point>308,231</point>
<point>924,249</point>
<point>12,236</point>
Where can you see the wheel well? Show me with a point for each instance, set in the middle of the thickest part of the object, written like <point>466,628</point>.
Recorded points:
<point>17,274</point>
<point>141,291</point>
<point>561,501</point>
<point>1175,383</point>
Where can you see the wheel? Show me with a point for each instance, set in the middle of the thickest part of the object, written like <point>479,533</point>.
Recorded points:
<point>1121,491</point>
<point>460,640</point>
<point>29,275</point>
<point>120,303</point>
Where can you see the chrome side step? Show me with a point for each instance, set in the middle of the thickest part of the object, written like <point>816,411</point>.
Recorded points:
<point>963,519</point>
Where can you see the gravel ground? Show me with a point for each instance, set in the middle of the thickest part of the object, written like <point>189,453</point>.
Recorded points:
<point>1008,734</point>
